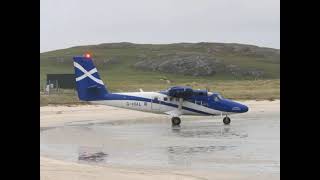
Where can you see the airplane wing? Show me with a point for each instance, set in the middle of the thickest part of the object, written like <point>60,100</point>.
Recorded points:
<point>183,93</point>
<point>180,92</point>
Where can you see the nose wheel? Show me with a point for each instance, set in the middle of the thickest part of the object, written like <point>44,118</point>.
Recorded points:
<point>175,121</point>
<point>226,120</point>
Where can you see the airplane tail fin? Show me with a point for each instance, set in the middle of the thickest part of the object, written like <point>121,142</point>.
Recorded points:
<point>89,85</point>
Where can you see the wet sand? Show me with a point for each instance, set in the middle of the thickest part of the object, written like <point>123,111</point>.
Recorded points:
<point>126,131</point>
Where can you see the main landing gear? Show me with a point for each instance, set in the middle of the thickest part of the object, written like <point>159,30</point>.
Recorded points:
<point>175,121</point>
<point>226,120</point>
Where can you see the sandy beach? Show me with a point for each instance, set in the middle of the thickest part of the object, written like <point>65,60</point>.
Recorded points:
<point>53,116</point>
<point>60,116</point>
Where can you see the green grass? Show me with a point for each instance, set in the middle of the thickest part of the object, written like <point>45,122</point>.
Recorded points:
<point>65,97</point>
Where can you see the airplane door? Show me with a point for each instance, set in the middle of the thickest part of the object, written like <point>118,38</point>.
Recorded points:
<point>155,104</point>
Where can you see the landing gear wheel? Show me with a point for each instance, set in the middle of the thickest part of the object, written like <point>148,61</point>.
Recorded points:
<point>175,121</point>
<point>226,120</point>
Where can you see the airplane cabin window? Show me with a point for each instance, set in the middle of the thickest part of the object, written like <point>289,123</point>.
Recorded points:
<point>171,99</point>
<point>165,98</point>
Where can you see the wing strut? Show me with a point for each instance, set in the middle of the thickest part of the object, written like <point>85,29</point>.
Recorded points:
<point>180,104</point>
<point>176,112</point>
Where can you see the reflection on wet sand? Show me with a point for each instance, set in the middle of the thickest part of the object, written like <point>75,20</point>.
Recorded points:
<point>214,131</point>
<point>183,155</point>
<point>177,150</point>
<point>91,154</point>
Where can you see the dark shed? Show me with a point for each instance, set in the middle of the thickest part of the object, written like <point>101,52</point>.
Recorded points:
<point>63,81</point>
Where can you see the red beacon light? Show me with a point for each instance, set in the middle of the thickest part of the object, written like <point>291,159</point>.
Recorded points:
<point>87,55</point>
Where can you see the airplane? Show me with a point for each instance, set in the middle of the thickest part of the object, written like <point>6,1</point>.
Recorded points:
<point>175,101</point>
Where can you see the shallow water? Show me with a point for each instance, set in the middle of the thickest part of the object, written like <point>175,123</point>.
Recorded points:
<point>250,143</point>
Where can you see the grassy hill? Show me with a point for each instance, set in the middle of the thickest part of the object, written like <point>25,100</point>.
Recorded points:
<point>119,66</point>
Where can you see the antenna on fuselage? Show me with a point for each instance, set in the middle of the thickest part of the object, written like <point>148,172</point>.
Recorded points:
<point>207,88</point>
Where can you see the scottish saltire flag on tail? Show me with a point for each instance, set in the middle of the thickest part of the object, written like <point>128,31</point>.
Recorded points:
<point>89,84</point>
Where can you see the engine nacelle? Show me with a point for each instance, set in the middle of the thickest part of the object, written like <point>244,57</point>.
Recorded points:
<point>180,92</point>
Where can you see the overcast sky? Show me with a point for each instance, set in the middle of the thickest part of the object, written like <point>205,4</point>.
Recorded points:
<point>66,23</point>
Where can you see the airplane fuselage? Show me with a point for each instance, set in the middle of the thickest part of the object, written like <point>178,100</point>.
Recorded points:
<point>157,102</point>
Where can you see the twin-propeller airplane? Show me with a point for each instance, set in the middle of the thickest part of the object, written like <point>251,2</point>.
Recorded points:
<point>175,101</point>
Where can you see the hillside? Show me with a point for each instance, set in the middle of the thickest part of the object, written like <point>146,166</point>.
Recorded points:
<point>127,66</point>
<point>206,59</point>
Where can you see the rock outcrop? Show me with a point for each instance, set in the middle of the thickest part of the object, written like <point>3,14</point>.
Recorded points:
<point>195,65</point>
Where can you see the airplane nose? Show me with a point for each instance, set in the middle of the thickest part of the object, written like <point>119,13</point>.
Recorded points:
<point>244,108</point>
<point>240,108</point>
<point>237,107</point>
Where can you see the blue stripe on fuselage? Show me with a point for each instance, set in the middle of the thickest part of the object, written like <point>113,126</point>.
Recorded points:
<point>135,98</point>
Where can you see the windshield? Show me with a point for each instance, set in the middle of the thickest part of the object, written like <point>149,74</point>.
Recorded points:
<point>217,98</point>
<point>220,97</point>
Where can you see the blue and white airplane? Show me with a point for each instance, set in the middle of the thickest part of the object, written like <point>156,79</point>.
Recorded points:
<point>175,101</point>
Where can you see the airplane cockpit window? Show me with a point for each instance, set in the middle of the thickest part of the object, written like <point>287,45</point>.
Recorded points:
<point>217,98</point>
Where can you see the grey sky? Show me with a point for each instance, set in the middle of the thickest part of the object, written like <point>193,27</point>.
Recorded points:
<point>66,23</point>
